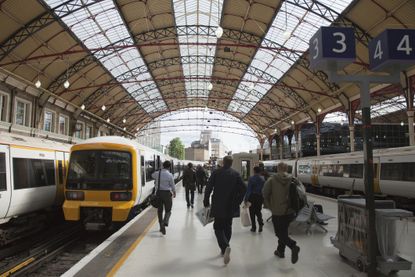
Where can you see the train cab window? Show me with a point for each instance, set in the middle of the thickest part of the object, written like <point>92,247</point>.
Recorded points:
<point>143,179</point>
<point>100,170</point>
<point>356,171</point>
<point>32,173</point>
<point>3,185</point>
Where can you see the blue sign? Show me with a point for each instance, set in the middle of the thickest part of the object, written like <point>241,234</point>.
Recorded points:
<point>392,48</point>
<point>332,45</point>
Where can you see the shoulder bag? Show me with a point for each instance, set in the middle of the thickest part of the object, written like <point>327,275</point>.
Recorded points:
<point>155,199</point>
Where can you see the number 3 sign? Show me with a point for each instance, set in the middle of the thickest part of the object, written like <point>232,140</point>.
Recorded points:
<point>332,45</point>
<point>392,48</point>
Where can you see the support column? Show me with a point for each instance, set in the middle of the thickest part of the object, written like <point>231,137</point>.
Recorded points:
<point>296,143</point>
<point>261,150</point>
<point>318,124</point>
<point>281,144</point>
<point>300,144</point>
<point>411,127</point>
<point>351,135</point>
<point>270,146</point>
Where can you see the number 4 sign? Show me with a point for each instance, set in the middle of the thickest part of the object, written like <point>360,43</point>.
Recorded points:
<point>332,45</point>
<point>391,49</point>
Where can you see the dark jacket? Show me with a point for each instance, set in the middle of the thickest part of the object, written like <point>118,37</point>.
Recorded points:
<point>255,185</point>
<point>201,174</point>
<point>189,178</point>
<point>228,192</point>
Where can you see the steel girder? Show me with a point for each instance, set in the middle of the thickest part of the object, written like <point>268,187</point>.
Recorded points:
<point>331,15</point>
<point>42,21</point>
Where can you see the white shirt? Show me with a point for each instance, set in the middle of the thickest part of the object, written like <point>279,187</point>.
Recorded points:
<point>167,181</point>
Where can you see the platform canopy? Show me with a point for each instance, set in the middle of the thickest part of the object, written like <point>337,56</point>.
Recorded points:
<point>146,59</point>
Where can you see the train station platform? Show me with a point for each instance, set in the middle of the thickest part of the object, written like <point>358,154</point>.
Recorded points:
<point>189,249</point>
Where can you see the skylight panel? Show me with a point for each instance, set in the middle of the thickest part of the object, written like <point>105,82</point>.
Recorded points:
<point>99,26</point>
<point>292,28</point>
<point>197,12</point>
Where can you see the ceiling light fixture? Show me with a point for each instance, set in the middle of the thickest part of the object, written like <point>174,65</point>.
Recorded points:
<point>38,83</point>
<point>108,120</point>
<point>287,34</point>
<point>292,122</point>
<point>66,84</point>
<point>124,128</point>
<point>210,86</point>
<point>319,110</point>
<point>103,108</point>
<point>219,32</point>
<point>124,120</point>
<point>83,107</point>
<point>402,123</point>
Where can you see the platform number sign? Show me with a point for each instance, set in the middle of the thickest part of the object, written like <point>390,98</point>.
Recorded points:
<point>391,49</point>
<point>332,44</point>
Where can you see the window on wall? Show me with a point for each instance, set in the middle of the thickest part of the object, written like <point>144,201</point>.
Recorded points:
<point>22,112</point>
<point>48,123</point>
<point>88,133</point>
<point>63,125</point>
<point>3,107</point>
<point>79,130</point>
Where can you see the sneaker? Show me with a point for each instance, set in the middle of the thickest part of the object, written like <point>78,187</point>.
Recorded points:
<point>191,206</point>
<point>294,254</point>
<point>227,255</point>
<point>253,229</point>
<point>279,254</point>
<point>260,228</point>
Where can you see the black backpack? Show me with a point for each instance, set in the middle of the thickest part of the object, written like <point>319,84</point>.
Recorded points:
<point>297,198</point>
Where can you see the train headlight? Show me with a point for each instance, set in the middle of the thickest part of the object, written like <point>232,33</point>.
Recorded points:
<point>121,196</point>
<point>75,195</point>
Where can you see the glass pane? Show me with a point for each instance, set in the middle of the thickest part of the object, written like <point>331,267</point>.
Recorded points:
<point>30,173</point>
<point>48,121</point>
<point>62,125</point>
<point>100,170</point>
<point>20,113</point>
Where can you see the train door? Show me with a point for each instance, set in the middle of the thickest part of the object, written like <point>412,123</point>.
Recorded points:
<point>60,167</point>
<point>5,186</point>
<point>376,174</point>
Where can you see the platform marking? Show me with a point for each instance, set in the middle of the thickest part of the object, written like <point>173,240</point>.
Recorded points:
<point>131,249</point>
<point>18,267</point>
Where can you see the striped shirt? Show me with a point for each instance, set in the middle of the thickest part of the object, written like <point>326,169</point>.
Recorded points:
<point>167,181</point>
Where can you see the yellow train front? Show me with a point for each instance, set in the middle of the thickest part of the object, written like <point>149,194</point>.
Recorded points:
<point>105,182</point>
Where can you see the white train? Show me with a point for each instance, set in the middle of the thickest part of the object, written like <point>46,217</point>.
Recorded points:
<point>32,174</point>
<point>394,171</point>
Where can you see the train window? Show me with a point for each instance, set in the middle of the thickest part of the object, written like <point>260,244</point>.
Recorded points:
<point>346,170</point>
<point>60,172</point>
<point>143,179</point>
<point>100,170</point>
<point>31,173</point>
<point>3,185</point>
<point>398,171</point>
<point>304,169</point>
<point>290,169</point>
<point>409,172</point>
<point>149,169</point>
<point>356,171</point>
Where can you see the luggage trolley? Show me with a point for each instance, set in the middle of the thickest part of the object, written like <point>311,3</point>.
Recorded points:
<point>351,237</point>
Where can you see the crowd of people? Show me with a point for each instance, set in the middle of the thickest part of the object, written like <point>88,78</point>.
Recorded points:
<point>224,192</point>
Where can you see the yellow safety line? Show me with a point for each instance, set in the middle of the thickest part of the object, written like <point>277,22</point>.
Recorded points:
<point>131,249</point>
<point>17,267</point>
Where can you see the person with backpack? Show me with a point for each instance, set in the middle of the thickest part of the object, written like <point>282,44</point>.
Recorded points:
<point>189,183</point>
<point>276,194</point>
<point>254,196</point>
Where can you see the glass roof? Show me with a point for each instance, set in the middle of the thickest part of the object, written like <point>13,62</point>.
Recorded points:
<point>292,28</point>
<point>100,25</point>
<point>197,12</point>
<point>389,106</point>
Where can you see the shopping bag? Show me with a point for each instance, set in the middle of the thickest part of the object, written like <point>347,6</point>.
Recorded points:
<point>245,217</point>
<point>204,216</point>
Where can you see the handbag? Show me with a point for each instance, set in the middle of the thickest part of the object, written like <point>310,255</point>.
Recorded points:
<point>155,199</point>
<point>245,217</point>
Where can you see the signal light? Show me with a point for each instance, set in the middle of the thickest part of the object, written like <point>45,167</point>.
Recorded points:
<point>75,195</point>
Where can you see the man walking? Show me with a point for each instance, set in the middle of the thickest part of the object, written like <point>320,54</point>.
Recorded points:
<point>189,182</point>
<point>228,192</point>
<point>276,193</point>
<point>254,196</point>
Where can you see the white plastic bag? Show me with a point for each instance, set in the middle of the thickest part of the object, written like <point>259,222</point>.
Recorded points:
<point>204,216</point>
<point>245,217</point>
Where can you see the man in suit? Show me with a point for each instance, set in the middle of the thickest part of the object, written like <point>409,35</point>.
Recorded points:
<point>228,192</point>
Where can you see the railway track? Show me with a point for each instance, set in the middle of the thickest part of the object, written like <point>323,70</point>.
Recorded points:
<point>34,255</point>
